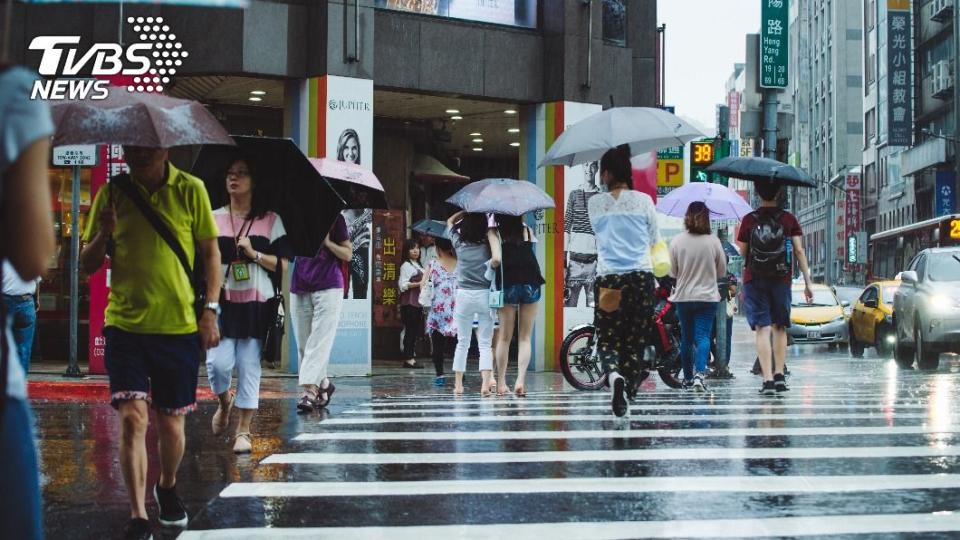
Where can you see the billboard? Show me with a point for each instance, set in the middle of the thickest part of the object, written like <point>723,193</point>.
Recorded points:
<point>507,12</point>
<point>899,79</point>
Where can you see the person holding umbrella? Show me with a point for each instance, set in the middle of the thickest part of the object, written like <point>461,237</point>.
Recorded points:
<point>521,282</point>
<point>696,261</point>
<point>317,298</point>
<point>441,327</point>
<point>625,222</point>
<point>478,249</point>
<point>769,238</point>
<point>252,246</point>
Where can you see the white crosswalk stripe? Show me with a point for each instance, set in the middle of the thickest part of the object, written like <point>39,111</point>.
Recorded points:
<point>421,450</point>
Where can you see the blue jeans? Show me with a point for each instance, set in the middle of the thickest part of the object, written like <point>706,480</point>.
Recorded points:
<point>696,326</point>
<point>23,321</point>
<point>20,507</point>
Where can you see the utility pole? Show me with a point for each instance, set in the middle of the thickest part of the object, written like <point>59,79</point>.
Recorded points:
<point>770,105</point>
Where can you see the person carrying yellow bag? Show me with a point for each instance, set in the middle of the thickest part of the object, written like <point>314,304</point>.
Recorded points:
<point>625,223</point>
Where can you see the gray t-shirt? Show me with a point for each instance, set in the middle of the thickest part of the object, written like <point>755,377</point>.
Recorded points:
<point>22,122</point>
<point>471,263</point>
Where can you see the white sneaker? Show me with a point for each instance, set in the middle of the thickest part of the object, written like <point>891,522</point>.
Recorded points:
<point>618,401</point>
<point>698,385</point>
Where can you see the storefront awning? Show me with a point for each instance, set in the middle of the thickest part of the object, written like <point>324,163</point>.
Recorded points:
<point>929,154</point>
<point>429,170</point>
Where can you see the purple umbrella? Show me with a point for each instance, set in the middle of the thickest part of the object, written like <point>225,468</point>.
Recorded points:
<point>502,196</point>
<point>723,202</point>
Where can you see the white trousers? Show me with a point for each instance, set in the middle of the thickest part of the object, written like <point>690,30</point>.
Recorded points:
<point>470,305</point>
<point>244,354</point>
<point>316,317</point>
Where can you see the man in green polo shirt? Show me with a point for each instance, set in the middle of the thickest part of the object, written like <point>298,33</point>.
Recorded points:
<point>154,340</point>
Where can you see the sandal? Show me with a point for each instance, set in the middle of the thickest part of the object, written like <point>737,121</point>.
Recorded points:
<point>306,404</point>
<point>221,418</point>
<point>243,443</point>
<point>329,390</point>
<point>520,391</point>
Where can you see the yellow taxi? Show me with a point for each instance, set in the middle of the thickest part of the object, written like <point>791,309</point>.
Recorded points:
<point>871,322</point>
<point>820,321</point>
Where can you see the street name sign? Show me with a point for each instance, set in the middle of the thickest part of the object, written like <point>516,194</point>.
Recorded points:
<point>83,155</point>
<point>774,46</point>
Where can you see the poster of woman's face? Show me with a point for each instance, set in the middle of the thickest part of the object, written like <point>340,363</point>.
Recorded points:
<point>348,147</point>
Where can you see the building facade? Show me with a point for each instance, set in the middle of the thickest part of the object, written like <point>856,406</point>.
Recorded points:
<point>435,94</point>
<point>827,132</point>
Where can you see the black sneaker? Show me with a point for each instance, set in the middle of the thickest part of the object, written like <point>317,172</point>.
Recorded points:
<point>780,382</point>
<point>172,513</point>
<point>768,389</point>
<point>137,529</point>
<point>619,401</point>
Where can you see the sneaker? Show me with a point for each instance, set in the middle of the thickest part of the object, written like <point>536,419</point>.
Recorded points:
<point>780,382</point>
<point>698,385</point>
<point>768,389</point>
<point>172,513</point>
<point>687,384</point>
<point>439,381</point>
<point>243,444</point>
<point>619,400</point>
<point>138,529</point>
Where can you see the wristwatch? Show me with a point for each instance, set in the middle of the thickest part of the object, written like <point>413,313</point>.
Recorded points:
<point>214,307</point>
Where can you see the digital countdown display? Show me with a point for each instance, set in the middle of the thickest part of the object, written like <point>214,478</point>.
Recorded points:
<point>953,230</point>
<point>702,152</point>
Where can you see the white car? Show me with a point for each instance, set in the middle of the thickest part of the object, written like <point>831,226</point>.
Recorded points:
<point>927,308</point>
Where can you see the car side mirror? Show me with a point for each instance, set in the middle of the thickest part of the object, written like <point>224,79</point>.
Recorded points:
<point>910,277</point>
<point>872,304</point>
<point>845,303</point>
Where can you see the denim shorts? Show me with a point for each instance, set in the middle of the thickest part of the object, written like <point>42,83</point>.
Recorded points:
<point>521,294</point>
<point>164,367</point>
<point>767,302</point>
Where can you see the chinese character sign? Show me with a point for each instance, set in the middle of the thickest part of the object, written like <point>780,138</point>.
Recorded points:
<point>387,234</point>
<point>946,193</point>
<point>852,187</point>
<point>899,80</point>
<point>774,47</point>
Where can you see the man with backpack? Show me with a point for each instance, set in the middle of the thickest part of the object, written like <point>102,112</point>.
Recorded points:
<point>769,239</point>
<point>159,226</point>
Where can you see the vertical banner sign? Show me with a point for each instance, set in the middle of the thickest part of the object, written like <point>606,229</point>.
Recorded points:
<point>774,49</point>
<point>387,238</point>
<point>946,190</point>
<point>733,101</point>
<point>899,77</point>
<point>853,220</point>
<point>348,130</point>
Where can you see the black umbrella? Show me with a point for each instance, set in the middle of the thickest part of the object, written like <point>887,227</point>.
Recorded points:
<point>759,169</point>
<point>307,202</point>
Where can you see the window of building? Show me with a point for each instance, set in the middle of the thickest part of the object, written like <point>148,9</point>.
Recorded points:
<point>870,178</point>
<point>869,127</point>
<point>615,22</point>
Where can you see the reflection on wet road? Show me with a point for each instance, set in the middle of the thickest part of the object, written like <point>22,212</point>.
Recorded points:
<point>856,447</point>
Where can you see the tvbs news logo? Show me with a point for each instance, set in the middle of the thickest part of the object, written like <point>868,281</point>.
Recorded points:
<point>151,62</point>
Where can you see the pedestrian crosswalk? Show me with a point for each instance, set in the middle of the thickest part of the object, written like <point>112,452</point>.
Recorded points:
<point>881,458</point>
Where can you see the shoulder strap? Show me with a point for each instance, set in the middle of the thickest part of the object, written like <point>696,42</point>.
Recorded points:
<point>124,182</point>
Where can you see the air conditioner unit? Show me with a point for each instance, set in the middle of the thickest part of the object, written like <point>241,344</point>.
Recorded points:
<point>942,80</point>
<point>941,10</point>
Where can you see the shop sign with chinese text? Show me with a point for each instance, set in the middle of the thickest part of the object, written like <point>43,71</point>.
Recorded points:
<point>899,78</point>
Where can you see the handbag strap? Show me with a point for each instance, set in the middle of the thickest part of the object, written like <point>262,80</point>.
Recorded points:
<point>493,282</point>
<point>124,182</point>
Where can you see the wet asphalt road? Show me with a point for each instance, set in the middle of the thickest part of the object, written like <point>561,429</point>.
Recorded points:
<point>856,447</point>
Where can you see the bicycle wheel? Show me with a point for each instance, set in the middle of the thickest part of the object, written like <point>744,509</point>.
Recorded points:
<point>577,362</point>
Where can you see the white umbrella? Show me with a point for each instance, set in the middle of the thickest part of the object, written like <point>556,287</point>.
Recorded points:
<point>645,129</point>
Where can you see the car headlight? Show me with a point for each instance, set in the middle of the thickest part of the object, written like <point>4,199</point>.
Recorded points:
<point>941,302</point>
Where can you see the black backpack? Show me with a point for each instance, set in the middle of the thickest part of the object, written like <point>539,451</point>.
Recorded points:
<point>768,257</point>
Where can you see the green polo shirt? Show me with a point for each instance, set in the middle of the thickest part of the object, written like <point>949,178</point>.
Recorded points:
<point>149,291</point>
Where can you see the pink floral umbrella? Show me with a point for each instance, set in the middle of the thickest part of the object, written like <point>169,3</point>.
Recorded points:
<point>136,119</point>
<point>357,186</point>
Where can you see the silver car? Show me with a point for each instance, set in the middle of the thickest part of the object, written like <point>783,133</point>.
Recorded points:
<point>927,308</point>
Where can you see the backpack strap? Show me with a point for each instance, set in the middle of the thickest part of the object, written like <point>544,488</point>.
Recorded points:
<point>124,182</point>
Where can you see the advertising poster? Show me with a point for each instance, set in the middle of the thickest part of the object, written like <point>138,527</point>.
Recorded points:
<point>388,236</point>
<point>349,137</point>
<point>946,193</point>
<point>507,12</point>
<point>579,243</point>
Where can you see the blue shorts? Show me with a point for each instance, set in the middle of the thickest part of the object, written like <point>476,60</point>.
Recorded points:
<point>766,302</point>
<point>164,367</point>
<point>521,294</point>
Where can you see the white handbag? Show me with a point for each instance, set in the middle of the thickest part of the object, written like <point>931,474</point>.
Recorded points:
<point>426,290</point>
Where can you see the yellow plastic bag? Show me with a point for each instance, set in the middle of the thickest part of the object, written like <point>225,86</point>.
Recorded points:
<point>660,257</point>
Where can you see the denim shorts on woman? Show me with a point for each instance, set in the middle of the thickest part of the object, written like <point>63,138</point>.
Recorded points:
<point>521,294</point>
<point>161,367</point>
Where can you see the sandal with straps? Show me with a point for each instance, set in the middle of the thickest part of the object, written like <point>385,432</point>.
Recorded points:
<point>329,390</point>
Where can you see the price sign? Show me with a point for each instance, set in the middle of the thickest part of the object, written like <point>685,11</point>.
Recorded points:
<point>703,153</point>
